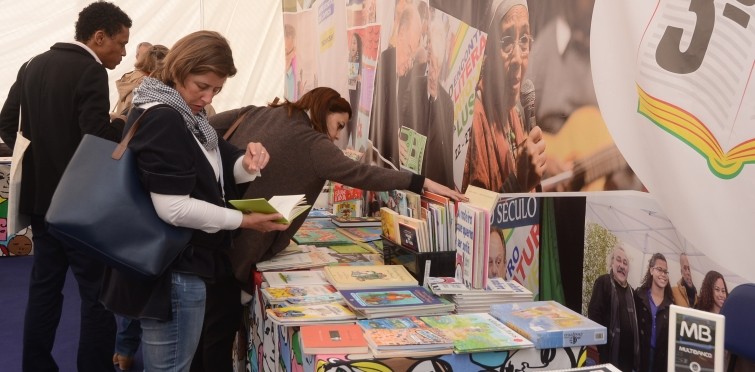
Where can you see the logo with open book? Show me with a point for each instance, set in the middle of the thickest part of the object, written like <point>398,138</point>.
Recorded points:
<point>687,90</point>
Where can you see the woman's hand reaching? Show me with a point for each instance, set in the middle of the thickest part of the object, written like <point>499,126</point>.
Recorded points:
<point>439,189</point>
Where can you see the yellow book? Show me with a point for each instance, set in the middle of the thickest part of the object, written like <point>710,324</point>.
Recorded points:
<point>290,206</point>
<point>368,276</point>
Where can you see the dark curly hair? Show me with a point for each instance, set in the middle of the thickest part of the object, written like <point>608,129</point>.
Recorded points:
<point>647,281</point>
<point>705,300</point>
<point>100,15</point>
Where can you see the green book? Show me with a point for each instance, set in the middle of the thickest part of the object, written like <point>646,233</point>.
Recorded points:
<point>290,206</point>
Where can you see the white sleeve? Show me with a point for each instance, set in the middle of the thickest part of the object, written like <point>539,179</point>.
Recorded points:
<point>184,211</point>
<point>241,175</point>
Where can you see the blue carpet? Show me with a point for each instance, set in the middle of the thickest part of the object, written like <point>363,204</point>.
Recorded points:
<point>14,281</point>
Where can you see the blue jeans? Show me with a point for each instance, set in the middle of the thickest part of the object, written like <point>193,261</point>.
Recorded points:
<point>128,337</point>
<point>169,346</point>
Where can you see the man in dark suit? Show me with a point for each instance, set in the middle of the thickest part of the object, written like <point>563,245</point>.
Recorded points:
<point>429,110</point>
<point>63,94</point>
<point>392,78</point>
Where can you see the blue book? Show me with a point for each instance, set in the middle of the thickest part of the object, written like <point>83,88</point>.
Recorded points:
<point>411,297</point>
<point>549,324</point>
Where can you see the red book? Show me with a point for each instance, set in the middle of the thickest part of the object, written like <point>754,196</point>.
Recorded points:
<point>333,339</point>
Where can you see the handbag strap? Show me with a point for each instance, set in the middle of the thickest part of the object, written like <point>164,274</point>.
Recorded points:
<point>123,145</point>
<point>238,121</point>
<point>235,125</point>
<point>21,95</point>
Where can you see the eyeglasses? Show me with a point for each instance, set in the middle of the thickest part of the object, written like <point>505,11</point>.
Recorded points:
<point>524,42</point>
<point>661,270</point>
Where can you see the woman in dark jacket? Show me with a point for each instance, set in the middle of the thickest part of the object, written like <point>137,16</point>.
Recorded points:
<point>653,300</point>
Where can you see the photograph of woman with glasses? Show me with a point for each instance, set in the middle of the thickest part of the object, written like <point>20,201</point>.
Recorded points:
<point>505,153</point>
<point>653,299</point>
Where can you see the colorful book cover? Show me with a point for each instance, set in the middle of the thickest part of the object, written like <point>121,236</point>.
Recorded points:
<point>416,338</point>
<point>477,333</point>
<point>414,143</point>
<point>408,236</point>
<point>465,239</point>
<point>356,221</point>
<point>348,208</point>
<point>375,276</point>
<point>333,338</point>
<point>400,297</point>
<point>321,238</point>
<point>549,324</point>
<point>343,193</point>
<point>298,314</point>
<point>281,294</point>
<point>294,278</point>
<point>362,234</point>
<point>392,323</point>
<point>389,219</point>
<point>317,223</point>
<point>517,222</point>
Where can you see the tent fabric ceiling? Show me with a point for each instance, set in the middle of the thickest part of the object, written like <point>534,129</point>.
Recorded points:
<point>253,28</point>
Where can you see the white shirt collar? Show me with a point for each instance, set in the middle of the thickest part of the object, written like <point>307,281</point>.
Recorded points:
<point>88,50</point>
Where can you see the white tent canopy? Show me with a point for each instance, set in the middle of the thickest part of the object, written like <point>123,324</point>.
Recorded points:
<point>254,29</point>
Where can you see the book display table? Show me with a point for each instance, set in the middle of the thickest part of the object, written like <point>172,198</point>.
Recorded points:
<point>272,347</point>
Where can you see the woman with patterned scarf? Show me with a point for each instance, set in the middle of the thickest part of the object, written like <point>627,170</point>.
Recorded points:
<point>190,174</point>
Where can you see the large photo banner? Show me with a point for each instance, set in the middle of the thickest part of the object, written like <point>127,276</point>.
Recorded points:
<point>496,94</point>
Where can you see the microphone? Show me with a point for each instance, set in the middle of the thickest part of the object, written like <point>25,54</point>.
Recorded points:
<point>527,98</point>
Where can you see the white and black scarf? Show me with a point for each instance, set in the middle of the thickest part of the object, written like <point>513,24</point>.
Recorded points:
<point>153,90</point>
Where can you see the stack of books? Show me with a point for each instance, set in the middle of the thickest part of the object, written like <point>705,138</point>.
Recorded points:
<point>469,300</point>
<point>333,339</point>
<point>477,332</point>
<point>297,315</point>
<point>396,301</point>
<point>298,288</point>
<point>368,276</point>
<point>549,324</point>
<point>404,337</point>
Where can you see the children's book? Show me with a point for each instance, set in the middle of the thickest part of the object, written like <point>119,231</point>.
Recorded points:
<point>549,324</point>
<point>356,221</point>
<point>389,219</point>
<point>294,278</point>
<point>398,298</point>
<point>348,208</point>
<point>477,332</point>
<point>306,294</point>
<point>361,234</point>
<point>290,206</point>
<point>403,333</point>
<point>333,339</point>
<point>321,238</point>
<point>308,314</point>
<point>317,223</point>
<point>374,276</point>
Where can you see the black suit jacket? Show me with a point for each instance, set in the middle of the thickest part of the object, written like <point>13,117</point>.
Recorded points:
<point>435,120</point>
<point>64,95</point>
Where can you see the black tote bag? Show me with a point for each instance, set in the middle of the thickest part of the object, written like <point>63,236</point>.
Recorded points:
<point>101,207</point>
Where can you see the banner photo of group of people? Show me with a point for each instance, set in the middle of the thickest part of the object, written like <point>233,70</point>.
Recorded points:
<point>465,93</point>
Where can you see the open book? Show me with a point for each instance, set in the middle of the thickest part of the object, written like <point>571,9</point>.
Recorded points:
<point>290,206</point>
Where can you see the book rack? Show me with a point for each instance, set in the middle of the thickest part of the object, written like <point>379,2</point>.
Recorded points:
<point>441,263</point>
